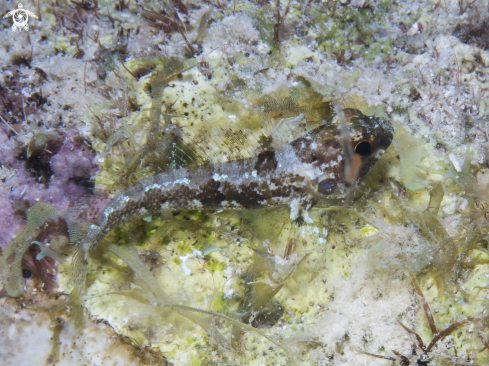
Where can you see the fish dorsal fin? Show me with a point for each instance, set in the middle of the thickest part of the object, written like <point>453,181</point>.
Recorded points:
<point>226,144</point>
<point>262,124</point>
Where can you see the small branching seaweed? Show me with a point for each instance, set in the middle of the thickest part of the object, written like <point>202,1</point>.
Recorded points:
<point>28,254</point>
<point>432,248</point>
<point>11,259</point>
<point>473,186</point>
<point>425,355</point>
<point>257,307</point>
<point>159,150</point>
<point>280,19</point>
<point>172,21</point>
<point>203,318</point>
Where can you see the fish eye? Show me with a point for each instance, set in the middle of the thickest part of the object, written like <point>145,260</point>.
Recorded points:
<point>363,148</point>
<point>26,273</point>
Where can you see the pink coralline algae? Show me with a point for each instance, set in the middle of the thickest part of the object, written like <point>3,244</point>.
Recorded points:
<point>60,176</point>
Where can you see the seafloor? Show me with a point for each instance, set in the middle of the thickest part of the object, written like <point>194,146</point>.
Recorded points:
<point>398,274</point>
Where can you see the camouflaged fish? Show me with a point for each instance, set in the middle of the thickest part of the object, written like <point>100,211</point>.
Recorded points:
<point>308,171</point>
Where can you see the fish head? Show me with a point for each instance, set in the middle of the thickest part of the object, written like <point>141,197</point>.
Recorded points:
<point>340,153</point>
<point>369,138</point>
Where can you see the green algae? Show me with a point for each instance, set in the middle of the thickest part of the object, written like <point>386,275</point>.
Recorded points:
<point>215,265</point>
<point>11,258</point>
<point>411,151</point>
<point>201,317</point>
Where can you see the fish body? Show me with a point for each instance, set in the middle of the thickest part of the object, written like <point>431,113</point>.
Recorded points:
<point>306,172</point>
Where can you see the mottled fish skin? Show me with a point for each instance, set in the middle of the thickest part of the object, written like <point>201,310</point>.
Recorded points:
<point>309,171</point>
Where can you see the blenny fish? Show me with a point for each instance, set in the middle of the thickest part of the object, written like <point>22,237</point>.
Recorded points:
<point>308,171</point>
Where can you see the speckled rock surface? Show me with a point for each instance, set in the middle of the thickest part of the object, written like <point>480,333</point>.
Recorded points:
<point>75,108</point>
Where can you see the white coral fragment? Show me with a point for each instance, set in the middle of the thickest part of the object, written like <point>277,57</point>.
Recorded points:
<point>183,259</point>
<point>455,162</point>
<point>234,30</point>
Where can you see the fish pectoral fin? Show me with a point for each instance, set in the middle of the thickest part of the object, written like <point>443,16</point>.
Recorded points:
<point>289,129</point>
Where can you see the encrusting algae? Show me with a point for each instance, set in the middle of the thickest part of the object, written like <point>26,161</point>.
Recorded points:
<point>257,214</point>
<point>302,173</point>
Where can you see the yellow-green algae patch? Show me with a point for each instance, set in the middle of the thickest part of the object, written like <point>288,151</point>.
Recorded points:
<point>387,231</point>
<point>353,284</point>
<point>398,231</point>
<point>411,150</point>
